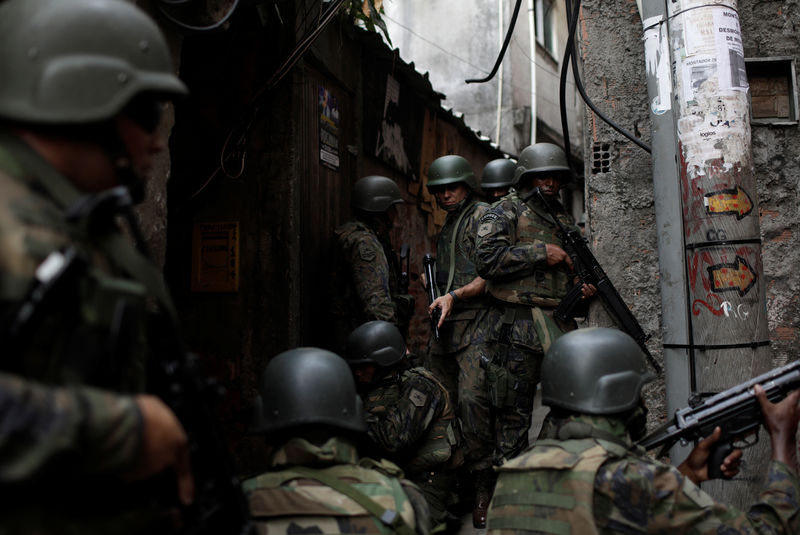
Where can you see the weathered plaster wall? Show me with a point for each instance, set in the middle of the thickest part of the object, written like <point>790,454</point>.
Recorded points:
<point>620,201</point>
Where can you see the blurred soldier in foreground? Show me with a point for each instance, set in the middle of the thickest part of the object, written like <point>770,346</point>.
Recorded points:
<point>592,479</point>
<point>312,417</point>
<point>367,272</point>
<point>520,253</point>
<point>409,416</point>
<point>83,86</point>
<point>455,357</point>
<point>497,179</point>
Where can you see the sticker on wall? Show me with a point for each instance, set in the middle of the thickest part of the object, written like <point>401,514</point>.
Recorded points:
<point>733,201</point>
<point>215,257</point>
<point>328,129</point>
<point>735,277</point>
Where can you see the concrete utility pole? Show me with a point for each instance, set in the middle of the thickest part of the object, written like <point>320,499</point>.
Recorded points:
<point>713,296</point>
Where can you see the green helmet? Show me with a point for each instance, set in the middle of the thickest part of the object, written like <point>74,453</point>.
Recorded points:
<point>498,174</point>
<point>375,194</point>
<point>308,386</point>
<point>79,61</point>
<point>542,158</point>
<point>594,371</point>
<point>450,169</point>
<point>375,342</point>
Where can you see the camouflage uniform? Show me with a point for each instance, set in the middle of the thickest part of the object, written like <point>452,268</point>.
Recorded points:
<point>366,282</point>
<point>511,255</point>
<point>284,501</point>
<point>455,358</point>
<point>411,421</point>
<point>75,340</point>
<point>547,490</point>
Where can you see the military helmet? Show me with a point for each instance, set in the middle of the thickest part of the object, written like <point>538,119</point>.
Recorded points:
<point>79,61</point>
<point>543,158</point>
<point>308,386</point>
<point>451,169</point>
<point>498,174</point>
<point>375,194</point>
<point>594,371</point>
<point>375,342</point>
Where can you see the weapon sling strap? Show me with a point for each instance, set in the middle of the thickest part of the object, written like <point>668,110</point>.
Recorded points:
<point>388,517</point>
<point>451,274</point>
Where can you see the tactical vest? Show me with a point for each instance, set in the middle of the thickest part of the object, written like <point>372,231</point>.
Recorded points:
<point>449,245</point>
<point>92,329</point>
<point>547,285</point>
<point>550,488</point>
<point>290,502</point>
<point>441,443</point>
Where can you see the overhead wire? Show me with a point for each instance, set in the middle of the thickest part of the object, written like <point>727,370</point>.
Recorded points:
<point>570,53</point>
<point>502,53</point>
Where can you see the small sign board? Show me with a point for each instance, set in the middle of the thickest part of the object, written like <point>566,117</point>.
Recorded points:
<point>215,257</point>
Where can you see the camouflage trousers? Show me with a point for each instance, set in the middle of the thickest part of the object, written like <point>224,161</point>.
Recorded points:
<point>439,490</point>
<point>513,419</point>
<point>465,380</point>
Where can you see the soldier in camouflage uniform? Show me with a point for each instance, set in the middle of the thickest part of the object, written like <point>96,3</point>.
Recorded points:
<point>593,480</point>
<point>520,253</point>
<point>312,417</point>
<point>367,273</point>
<point>83,86</point>
<point>409,416</point>
<point>455,357</point>
<point>497,179</point>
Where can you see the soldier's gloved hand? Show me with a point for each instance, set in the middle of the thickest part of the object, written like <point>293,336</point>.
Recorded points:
<point>557,255</point>
<point>695,467</point>
<point>164,445</point>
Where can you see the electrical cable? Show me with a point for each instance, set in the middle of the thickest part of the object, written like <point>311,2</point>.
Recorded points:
<point>572,24</point>
<point>254,108</point>
<point>189,28</point>
<point>502,49</point>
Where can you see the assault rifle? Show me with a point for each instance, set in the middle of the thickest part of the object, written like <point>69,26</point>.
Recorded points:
<point>735,410</point>
<point>429,264</point>
<point>590,271</point>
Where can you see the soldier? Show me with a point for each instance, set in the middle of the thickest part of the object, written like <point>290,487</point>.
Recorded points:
<point>312,417</point>
<point>518,250</point>
<point>497,179</point>
<point>455,357</point>
<point>82,93</point>
<point>593,378</point>
<point>409,416</point>
<point>367,276</point>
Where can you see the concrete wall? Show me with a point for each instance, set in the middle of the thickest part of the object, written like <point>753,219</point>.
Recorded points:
<point>620,204</point>
<point>459,39</point>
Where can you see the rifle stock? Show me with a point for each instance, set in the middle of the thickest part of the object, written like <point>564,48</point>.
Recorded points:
<point>589,271</point>
<point>429,264</point>
<point>735,410</point>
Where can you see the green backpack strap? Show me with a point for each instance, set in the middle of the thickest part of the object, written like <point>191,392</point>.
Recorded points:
<point>388,517</point>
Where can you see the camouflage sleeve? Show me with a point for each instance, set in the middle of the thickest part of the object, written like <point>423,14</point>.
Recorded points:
<point>398,427</point>
<point>470,232</point>
<point>67,430</point>
<point>655,498</point>
<point>496,254</point>
<point>370,272</point>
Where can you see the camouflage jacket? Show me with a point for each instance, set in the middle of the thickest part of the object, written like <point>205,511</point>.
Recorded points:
<point>549,487</point>
<point>366,281</point>
<point>456,243</point>
<point>283,501</point>
<point>411,420</point>
<point>75,338</point>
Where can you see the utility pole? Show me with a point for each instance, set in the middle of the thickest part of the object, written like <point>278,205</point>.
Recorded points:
<point>713,296</point>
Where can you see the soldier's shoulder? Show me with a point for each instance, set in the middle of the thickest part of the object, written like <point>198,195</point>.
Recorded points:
<point>383,467</point>
<point>422,378</point>
<point>355,234</point>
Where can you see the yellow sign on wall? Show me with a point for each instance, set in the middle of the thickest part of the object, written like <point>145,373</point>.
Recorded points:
<point>215,257</point>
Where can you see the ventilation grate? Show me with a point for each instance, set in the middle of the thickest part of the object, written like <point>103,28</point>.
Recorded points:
<point>601,158</point>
